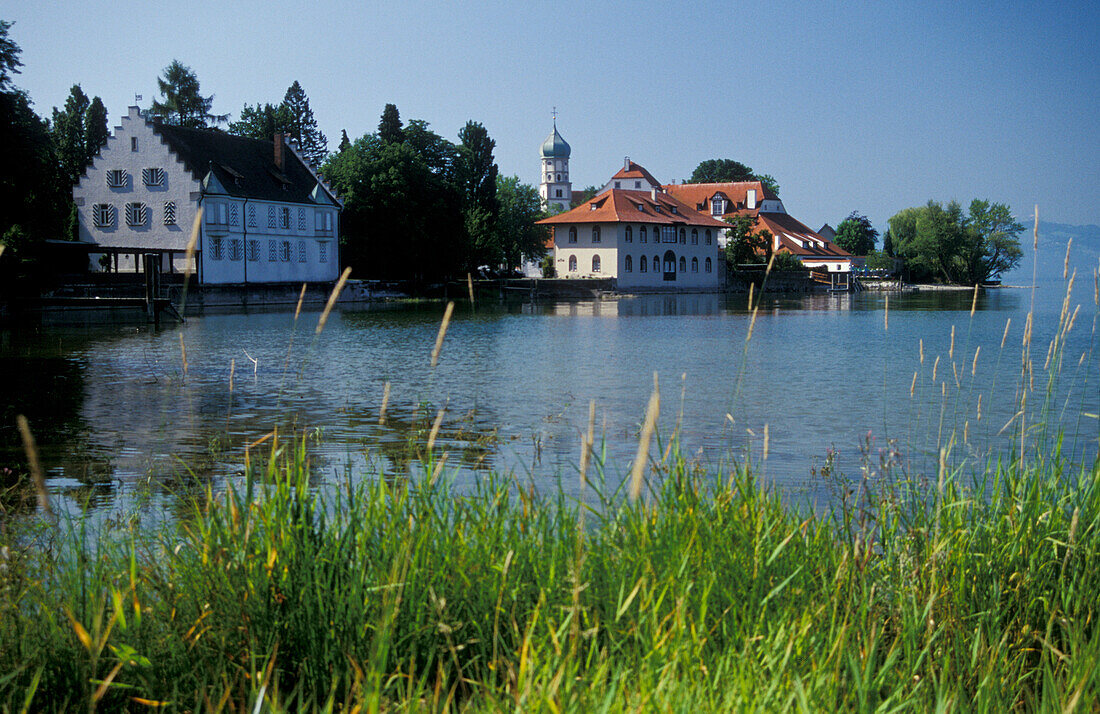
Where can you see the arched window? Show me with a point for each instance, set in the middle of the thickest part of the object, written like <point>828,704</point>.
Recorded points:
<point>695,236</point>
<point>628,264</point>
<point>572,264</point>
<point>683,264</point>
<point>656,264</point>
<point>683,237</point>
<point>716,206</point>
<point>595,264</point>
<point>641,235</point>
<point>559,177</point>
<point>695,265</point>
<point>707,265</point>
<point>595,234</point>
<point>572,234</point>
<point>549,176</point>
<point>643,264</point>
<point>706,237</point>
<point>628,235</point>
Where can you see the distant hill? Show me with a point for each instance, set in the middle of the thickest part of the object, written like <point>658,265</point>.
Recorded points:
<point>1053,238</point>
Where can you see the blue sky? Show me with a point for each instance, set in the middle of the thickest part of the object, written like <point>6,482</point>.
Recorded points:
<point>856,106</point>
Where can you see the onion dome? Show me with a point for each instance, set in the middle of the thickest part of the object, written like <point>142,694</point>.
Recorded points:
<point>555,147</point>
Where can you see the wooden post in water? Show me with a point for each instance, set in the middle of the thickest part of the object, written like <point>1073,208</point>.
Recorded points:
<point>151,268</point>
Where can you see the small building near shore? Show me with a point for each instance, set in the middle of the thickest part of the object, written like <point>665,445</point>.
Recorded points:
<point>268,216</point>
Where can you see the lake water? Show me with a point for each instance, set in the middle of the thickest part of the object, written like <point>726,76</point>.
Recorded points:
<point>116,414</point>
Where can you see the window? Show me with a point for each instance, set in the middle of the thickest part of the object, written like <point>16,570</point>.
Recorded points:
<point>284,217</point>
<point>169,213</point>
<point>216,249</point>
<point>717,206</point>
<point>707,266</point>
<point>695,265</point>
<point>117,178</point>
<point>637,184</point>
<point>251,216</point>
<point>628,264</point>
<point>695,236</point>
<point>683,264</point>
<point>272,251</point>
<point>628,234</point>
<point>549,177</point>
<point>683,237</point>
<point>595,234</point>
<point>617,185</point>
<point>152,177</point>
<point>595,264</point>
<point>642,265</point>
<point>572,264</point>
<point>136,214</point>
<point>301,251</point>
<point>706,237</point>
<point>557,193</point>
<point>301,219</point>
<point>572,234</point>
<point>234,214</point>
<point>558,178</point>
<point>322,254</point>
<point>133,143</point>
<point>656,264</point>
<point>674,210</point>
<point>641,235</point>
<point>103,215</point>
<point>234,248</point>
<point>284,252</point>
<point>253,250</point>
<point>271,216</point>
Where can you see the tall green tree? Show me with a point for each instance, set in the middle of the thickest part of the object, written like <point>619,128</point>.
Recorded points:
<point>79,131</point>
<point>856,235</point>
<point>518,237</point>
<point>312,143</point>
<point>476,177</point>
<point>262,121</point>
<point>183,103</point>
<point>9,57</point>
<point>995,240</point>
<point>744,244</point>
<point>389,127</point>
<point>345,142</point>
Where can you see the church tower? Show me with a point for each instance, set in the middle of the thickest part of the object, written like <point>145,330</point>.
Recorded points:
<point>555,189</point>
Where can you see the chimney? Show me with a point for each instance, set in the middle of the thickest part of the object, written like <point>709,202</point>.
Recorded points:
<point>280,151</point>
<point>750,199</point>
<point>626,163</point>
<point>653,193</point>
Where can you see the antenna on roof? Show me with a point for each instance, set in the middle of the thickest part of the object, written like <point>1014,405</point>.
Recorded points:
<point>137,98</point>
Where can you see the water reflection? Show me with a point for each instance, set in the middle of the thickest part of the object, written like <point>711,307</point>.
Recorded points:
<point>116,410</point>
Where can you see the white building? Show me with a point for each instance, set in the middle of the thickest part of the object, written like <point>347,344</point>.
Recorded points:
<point>642,238</point>
<point>268,216</point>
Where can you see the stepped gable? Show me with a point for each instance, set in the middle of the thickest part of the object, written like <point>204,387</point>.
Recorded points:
<point>245,167</point>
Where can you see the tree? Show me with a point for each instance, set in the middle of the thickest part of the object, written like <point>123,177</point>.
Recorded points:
<point>520,239</point>
<point>78,131</point>
<point>477,180</point>
<point>942,243</point>
<point>389,128</point>
<point>345,142</point>
<point>261,121</point>
<point>856,235</point>
<point>730,171</point>
<point>312,144</point>
<point>743,244</point>
<point>9,57</point>
<point>183,104</point>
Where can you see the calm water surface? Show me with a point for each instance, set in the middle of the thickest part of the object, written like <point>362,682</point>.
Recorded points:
<point>116,413</point>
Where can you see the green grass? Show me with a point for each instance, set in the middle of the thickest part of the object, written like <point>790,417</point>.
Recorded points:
<point>710,594</point>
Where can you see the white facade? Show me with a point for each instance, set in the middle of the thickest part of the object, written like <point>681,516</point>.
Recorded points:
<point>139,194</point>
<point>679,257</point>
<point>555,188</point>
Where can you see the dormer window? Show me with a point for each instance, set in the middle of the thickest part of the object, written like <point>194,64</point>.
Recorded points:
<point>637,184</point>
<point>618,184</point>
<point>717,206</point>
<point>673,209</point>
<point>592,206</point>
<point>656,208</point>
<point>641,207</point>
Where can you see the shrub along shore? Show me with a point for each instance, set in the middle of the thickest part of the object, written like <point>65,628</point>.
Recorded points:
<point>708,592</point>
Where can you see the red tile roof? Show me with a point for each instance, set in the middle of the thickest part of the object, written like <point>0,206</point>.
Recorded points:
<point>793,233</point>
<point>623,206</point>
<point>736,193</point>
<point>634,171</point>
